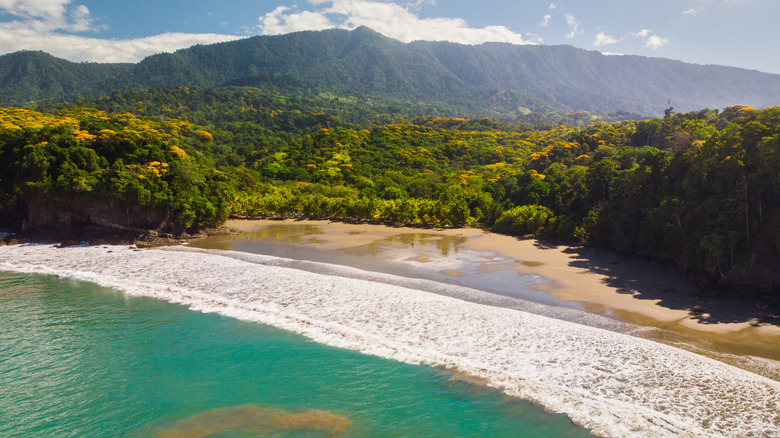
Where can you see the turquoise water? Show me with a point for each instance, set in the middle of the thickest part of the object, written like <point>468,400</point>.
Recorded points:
<point>84,361</point>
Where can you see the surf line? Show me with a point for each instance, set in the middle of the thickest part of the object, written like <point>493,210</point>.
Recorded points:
<point>613,384</point>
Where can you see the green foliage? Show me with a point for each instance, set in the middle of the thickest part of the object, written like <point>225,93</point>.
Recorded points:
<point>138,168</point>
<point>697,190</point>
<point>523,220</point>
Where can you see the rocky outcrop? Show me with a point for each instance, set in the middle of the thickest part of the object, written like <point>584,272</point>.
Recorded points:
<point>75,215</point>
<point>73,220</point>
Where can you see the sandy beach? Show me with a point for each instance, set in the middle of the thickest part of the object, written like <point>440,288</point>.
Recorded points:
<point>313,279</point>
<point>632,290</point>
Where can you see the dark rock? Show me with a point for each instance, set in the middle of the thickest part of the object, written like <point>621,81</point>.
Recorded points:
<point>153,243</point>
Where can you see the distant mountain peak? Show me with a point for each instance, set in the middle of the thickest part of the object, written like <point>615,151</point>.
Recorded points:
<point>483,80</point>
<point>364,30</point>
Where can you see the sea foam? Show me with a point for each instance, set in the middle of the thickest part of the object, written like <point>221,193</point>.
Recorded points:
<point>611,383</point>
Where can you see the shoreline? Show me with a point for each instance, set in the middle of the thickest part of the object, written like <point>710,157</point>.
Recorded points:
<point>636,291</point>
<point>613,384</point>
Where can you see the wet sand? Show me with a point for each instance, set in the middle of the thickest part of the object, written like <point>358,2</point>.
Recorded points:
<point>643,293</point>
<point>632,290</point>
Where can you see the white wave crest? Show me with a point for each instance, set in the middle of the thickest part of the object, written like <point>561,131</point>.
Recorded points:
<point>611,383</point>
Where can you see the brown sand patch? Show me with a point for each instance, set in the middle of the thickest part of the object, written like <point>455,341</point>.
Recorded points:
<point>452,272</point>
<point>595,308</point>
<point>487,268</point>
<point>310,420</point>
<point>255,421</point>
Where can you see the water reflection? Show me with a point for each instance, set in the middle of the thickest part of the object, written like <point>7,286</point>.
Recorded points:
<point>445,245</point>
<point>286,233</point>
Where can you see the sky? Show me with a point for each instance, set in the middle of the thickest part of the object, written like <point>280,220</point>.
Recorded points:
<point>739,33</point>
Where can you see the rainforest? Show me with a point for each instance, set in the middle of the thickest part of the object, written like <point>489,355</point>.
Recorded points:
<point>697,191</point>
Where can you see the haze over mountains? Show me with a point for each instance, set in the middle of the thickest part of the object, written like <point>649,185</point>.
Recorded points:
<point>492,79</point>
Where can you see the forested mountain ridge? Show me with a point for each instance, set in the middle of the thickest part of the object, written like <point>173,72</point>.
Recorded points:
<point>492,79</point>
<point>29,76</point>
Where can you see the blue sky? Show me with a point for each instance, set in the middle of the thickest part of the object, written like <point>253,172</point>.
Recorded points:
<point>741,33</point>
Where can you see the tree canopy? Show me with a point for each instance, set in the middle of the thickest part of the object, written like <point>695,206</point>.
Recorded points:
<point>696,190</point>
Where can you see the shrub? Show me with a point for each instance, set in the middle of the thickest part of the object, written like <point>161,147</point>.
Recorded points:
<point>523,220</point>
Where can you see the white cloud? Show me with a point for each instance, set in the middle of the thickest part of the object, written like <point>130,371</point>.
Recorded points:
<point>651,41</point>
<point>81,21</point>
<point>532,38</point>
<point>552,6</point>
<point>389,19</point>
<point>654,42</point>
<point>80,48</point>
<point>602,39</point>
<point>574,25</point>
<point>417,3</point>
<point>281,20</point>
<point>545,20</point>
<point>49,15</point>
<point>54,26</point>
<point>689,12</point>
<point>39,9</point>
<point>643,33</point>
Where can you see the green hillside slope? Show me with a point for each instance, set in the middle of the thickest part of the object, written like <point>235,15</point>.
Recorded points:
<point>492,79</point>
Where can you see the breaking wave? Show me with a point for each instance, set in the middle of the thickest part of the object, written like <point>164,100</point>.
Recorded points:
<point>609,382</point>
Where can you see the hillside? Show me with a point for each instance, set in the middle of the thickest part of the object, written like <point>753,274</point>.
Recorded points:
<point>492,79</point>
<point>695,190</point>
<point>28,76</point>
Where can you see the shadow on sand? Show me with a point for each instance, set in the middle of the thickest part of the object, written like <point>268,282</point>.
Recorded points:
<point>645,280</point>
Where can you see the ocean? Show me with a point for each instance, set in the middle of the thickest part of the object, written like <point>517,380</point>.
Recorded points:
<point>81,360</point>
<point>187,348</point>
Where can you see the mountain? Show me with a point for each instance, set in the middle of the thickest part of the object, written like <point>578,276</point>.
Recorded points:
<point>27,76</point>
<point>488,79</point>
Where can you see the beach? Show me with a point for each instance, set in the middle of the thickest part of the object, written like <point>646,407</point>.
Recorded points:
<point>633,290</point>
<point>411,295</point>
<point>611,383</point>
